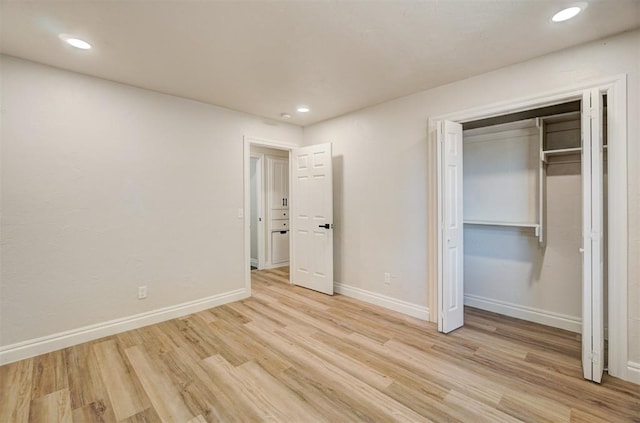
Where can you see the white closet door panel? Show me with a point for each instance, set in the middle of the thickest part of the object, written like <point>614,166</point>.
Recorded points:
<point>592,269</point>
<point>586,237</point>
<point>451,280</point>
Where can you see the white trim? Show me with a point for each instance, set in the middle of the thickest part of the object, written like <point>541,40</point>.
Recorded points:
<point>264,142</point>
<point>633,372</point>
<point>532,314</point>
<point>617,246</point>
<point>549,98</point>
<point>259,261</point>
<point>616,88</point>
<point>45,344</point>
<point>394,304</point>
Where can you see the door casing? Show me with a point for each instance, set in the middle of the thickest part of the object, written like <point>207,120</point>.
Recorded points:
<point>262,142</point>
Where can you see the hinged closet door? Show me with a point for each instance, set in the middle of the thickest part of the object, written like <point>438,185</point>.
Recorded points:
<point>592,222</point>
<point>450,237</point>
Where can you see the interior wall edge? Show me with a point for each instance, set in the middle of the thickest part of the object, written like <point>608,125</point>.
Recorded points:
<point>33,347</point>
<point>404,307</point>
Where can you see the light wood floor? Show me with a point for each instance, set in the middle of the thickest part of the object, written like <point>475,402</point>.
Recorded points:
<point>289,354</point>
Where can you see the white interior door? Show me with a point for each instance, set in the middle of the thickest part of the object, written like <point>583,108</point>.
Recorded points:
<point>592,247</point>
<point>312,223</point>
<point>450,234</point>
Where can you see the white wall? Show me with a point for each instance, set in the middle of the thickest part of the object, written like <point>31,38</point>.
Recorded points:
<point>381,167</point>
<point>106,187</point>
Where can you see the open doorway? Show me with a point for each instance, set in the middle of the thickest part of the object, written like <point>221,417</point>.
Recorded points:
<point>269,207</point>
<point>257,203</point>
<point>588,180</point>
<point>296,221</point>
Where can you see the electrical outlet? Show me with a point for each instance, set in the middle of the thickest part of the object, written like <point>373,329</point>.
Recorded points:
<point>387,278</point>
<point>142,292</point>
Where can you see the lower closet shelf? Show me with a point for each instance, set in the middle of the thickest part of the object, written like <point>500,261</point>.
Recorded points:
<point>534,226</point>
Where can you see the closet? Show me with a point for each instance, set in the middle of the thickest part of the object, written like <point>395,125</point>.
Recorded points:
<point>529,216</point>
<point>522,219</point>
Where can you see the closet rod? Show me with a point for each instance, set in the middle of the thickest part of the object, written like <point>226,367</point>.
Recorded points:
<point>565,162</point>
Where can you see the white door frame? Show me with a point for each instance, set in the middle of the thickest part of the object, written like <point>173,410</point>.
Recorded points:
<point>616,89</point>
<point>260,207</point>
<point>262,142</point>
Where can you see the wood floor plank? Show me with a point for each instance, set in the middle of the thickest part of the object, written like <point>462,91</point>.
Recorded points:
<point>53,408</point>
<point>15,391</point>
<point>164,396</point>
<point>124,394</point>
<point>147,416</point>
<point>292,354</point>
<point>476,411</point>
<point>49,374</point>
<point>86,386</point>
<point>529,408</point>
<point>95,412</point>
<point>380,406</point>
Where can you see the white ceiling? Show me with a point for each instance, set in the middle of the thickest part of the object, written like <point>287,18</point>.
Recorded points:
<point>267,57</point>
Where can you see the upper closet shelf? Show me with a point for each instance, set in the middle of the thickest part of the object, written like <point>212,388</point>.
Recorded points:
<point>535,226</point>
<point>560,152</point>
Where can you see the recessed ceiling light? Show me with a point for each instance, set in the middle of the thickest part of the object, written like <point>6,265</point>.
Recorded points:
<point>569,12</point>
<point>285,115</point>
<point>303,109</point>
<point>75,42</point>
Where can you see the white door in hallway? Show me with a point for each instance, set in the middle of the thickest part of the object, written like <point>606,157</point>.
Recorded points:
<point>312,218</point>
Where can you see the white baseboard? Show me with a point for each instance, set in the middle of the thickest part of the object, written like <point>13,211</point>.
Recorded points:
<point>394,304</point>
<point>254,262</point>
<point>633,372</point>
<point>33,347</point>
<point>544,317</point>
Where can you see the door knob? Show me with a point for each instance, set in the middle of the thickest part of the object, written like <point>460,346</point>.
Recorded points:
<point>326,226</point>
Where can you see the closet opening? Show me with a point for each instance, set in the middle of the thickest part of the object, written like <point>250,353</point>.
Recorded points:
<point>524,224</point>
<point>523,218</point>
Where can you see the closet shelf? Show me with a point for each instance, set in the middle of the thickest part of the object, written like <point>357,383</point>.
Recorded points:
<point>535,226</point>
<point>562,151</point>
